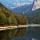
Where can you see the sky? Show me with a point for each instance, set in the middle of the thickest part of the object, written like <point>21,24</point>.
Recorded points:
<point>15,3</point>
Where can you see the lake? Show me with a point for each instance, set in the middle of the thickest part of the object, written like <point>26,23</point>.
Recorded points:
<point>27,33</point>
<point>36,33</point>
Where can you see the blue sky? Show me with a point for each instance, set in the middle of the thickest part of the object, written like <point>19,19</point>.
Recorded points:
<point>15,3</point>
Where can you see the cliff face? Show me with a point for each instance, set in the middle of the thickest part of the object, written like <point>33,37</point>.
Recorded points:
<point>36,5</point>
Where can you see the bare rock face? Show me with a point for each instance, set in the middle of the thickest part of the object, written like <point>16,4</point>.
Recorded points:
<point>36,4</point>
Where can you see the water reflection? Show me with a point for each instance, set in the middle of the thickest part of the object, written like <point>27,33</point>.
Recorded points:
<point>29,33</point>
<point>36,33</point>
<point>34,39</point>
<point>16,34</point>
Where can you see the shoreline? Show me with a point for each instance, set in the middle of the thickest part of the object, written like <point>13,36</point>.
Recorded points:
<point>19,26</point>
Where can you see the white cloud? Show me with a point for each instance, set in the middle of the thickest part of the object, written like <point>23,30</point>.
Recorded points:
<point>15,3</point>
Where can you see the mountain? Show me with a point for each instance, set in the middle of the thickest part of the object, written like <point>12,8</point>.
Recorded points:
<point>5,10</point>
<point>23,9</point>
<point>32,13</point>
<point>38,4</point>
<point>37,11</point>
<point>35,17</point>
<point>2,7</point>
<point>27,9</point>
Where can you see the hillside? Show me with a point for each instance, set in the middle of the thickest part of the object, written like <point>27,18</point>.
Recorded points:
<point>7,17</point>
<point>36,17</point>
<point>24,10</point>
<point>36,11</point>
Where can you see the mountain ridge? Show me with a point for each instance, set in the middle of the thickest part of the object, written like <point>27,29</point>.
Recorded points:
<point>22,8</point>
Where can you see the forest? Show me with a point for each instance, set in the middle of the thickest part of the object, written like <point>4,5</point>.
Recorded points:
<point>7,17</point>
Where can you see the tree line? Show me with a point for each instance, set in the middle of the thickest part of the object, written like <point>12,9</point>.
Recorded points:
<point>34,19</point>
<point>12,19</point>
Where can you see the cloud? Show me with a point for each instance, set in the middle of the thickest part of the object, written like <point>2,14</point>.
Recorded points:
<point>19,3</point>
<point>15,3</point>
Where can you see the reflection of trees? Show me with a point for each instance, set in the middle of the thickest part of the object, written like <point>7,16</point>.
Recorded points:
<point>8,34</point>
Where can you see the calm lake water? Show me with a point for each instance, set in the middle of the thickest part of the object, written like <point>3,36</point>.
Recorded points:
<point>29,33</point>
<point>36,33</point>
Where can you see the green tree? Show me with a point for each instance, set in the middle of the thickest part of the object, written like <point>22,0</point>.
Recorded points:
<point>12,20</point>
<point>36,18</point>
<point>21,20</point>
<point>2,19</point>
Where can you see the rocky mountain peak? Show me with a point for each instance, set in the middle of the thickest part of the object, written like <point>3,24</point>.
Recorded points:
<point>36,4</point>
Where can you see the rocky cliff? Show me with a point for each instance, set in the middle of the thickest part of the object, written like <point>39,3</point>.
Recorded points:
<point>36,5</point>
